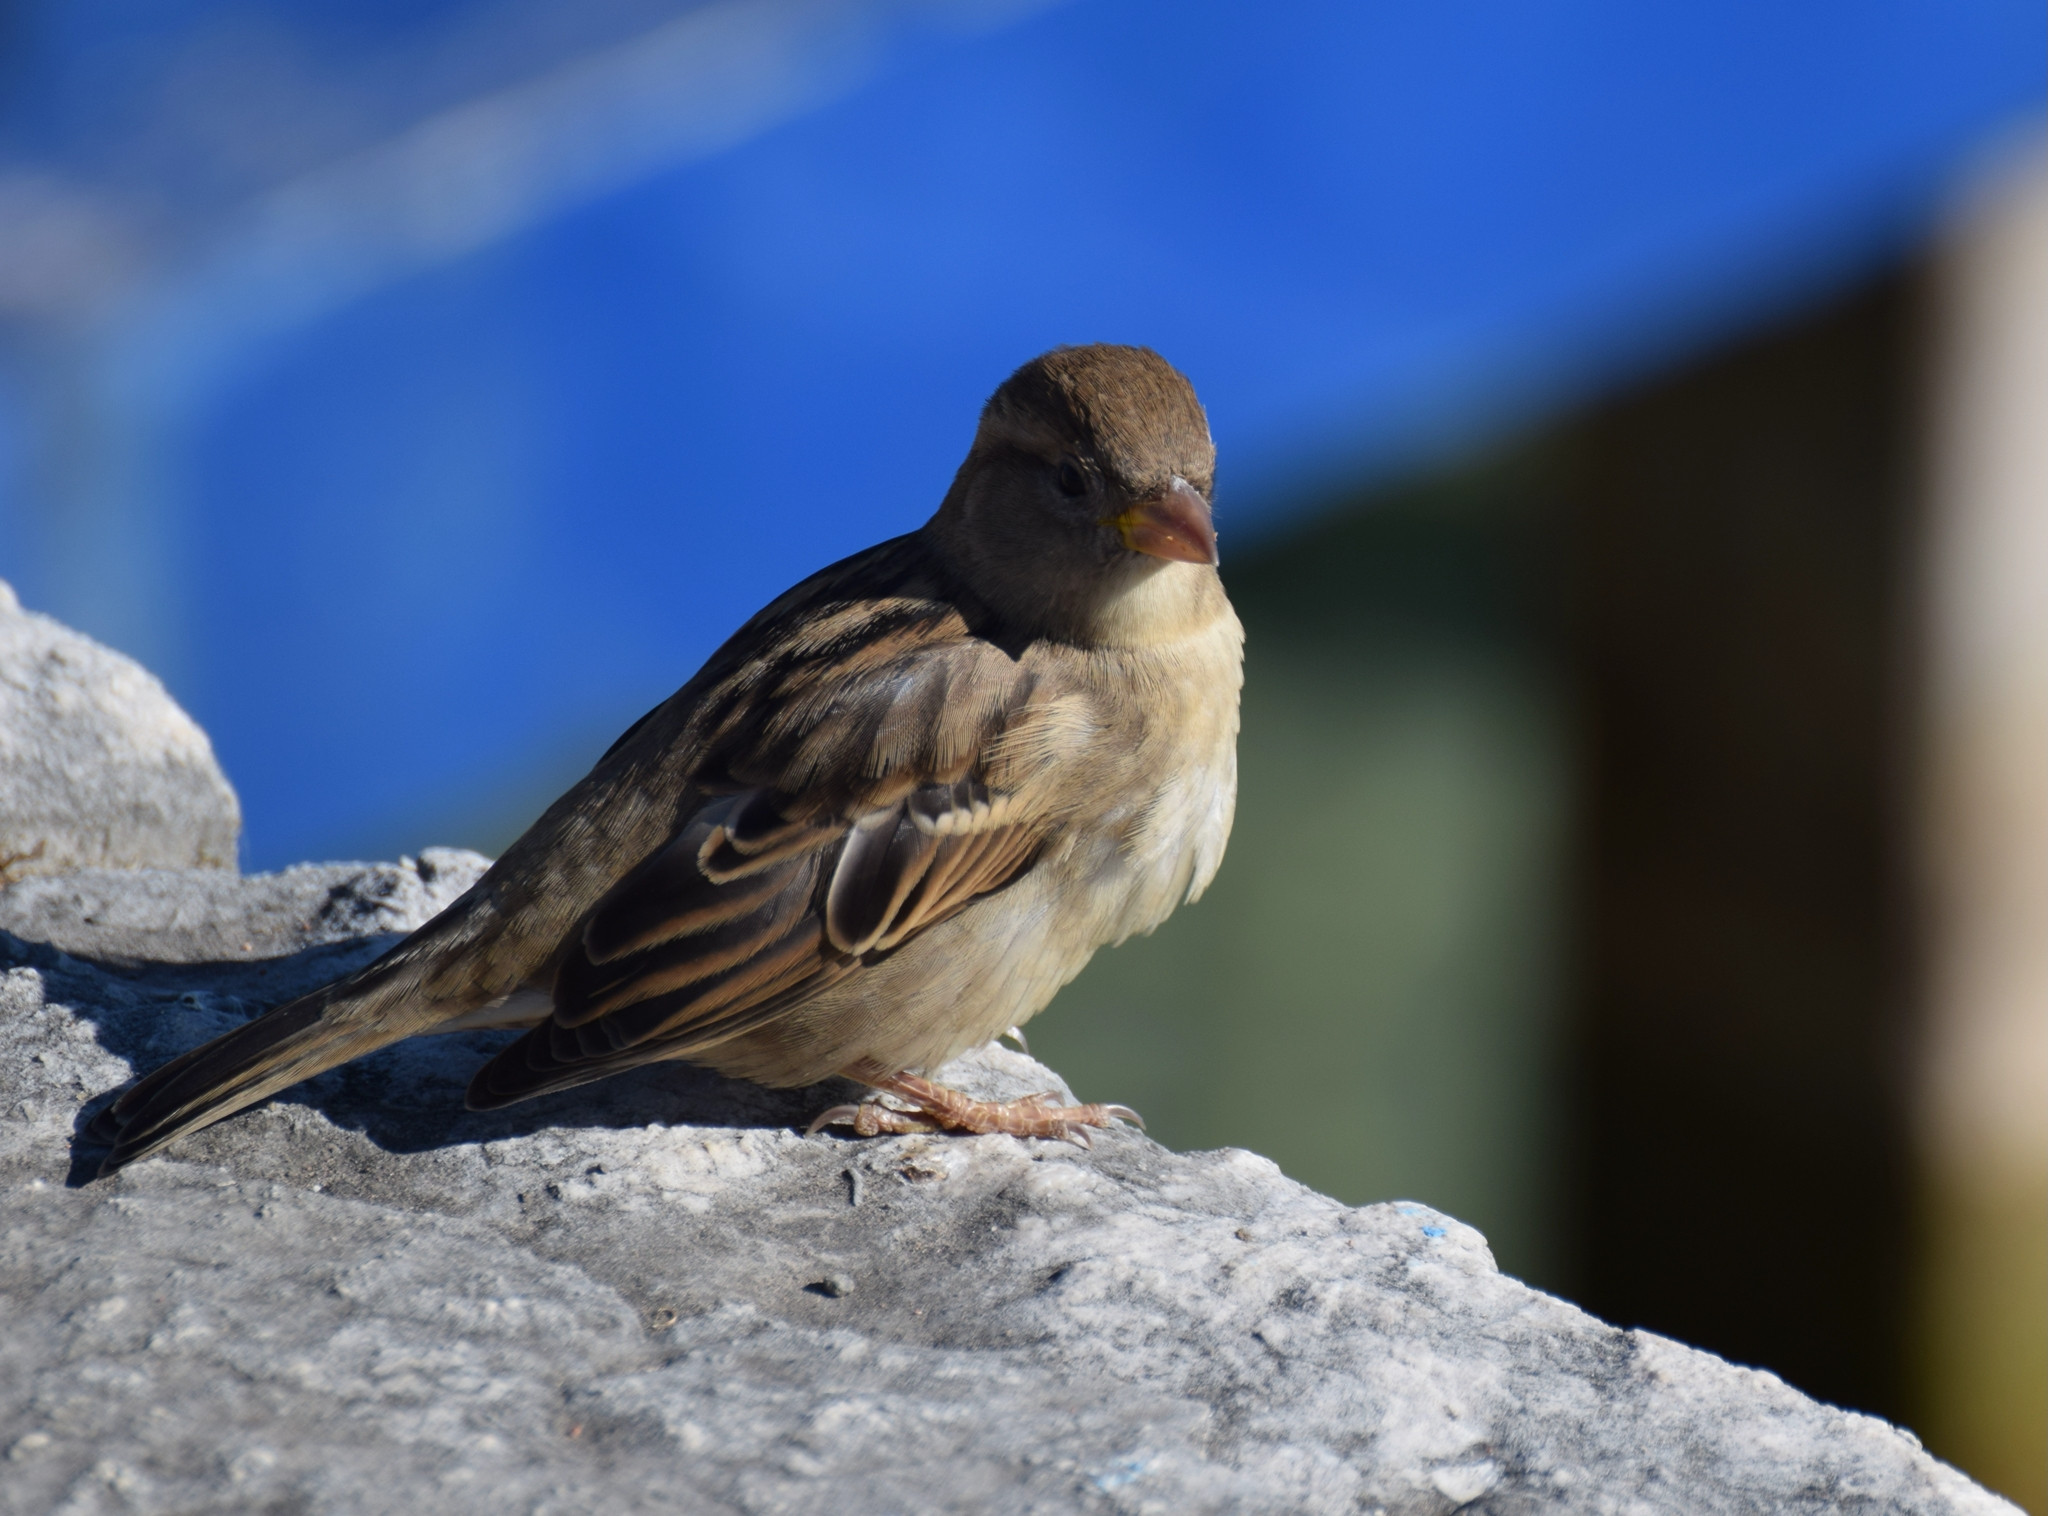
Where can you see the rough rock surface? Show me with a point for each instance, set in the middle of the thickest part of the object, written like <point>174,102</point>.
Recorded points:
<point>200,915</point>
<point>99,767</point>
<point>651,1294</point>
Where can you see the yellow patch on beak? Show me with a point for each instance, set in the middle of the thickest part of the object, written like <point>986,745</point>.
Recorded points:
<point>1174,524</point>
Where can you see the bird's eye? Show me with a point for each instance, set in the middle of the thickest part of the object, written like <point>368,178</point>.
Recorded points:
<point>1072,480</point>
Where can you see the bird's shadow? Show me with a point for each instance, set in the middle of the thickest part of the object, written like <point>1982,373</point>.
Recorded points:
<point>406,1098</point>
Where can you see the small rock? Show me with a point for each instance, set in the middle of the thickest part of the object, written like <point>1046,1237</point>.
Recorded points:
<point>99,767</point>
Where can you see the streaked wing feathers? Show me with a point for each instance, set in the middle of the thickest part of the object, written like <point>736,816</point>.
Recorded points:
<point>839,809</point>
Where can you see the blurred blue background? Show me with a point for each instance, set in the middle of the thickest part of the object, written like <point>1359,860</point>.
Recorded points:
<point>423,389</point>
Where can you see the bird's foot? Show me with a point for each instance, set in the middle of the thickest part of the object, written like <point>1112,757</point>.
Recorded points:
<point>934,1108</point>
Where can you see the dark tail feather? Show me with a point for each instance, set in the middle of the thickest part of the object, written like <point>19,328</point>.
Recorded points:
<point>553,1057</point>
<point>297,1040</point>
<point>529,1067</point>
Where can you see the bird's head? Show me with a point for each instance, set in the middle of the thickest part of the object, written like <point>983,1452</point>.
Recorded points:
<point>1083,507</point>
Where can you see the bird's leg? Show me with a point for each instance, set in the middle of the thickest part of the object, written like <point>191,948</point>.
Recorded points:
<point>934,1108</point>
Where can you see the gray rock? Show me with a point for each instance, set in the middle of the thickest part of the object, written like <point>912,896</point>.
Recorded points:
<point>652,1294</point>
<point>203,915</point>
<point>99,768</point>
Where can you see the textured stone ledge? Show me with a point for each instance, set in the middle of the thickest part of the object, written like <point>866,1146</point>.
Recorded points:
<point>652,1294</point>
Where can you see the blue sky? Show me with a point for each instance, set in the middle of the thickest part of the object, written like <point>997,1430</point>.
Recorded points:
<point>405,502</point>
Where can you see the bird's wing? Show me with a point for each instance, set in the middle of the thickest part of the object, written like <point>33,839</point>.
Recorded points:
<point>879,771</point>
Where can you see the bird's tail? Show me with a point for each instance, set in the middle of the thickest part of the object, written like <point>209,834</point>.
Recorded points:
<point>297,1040</point>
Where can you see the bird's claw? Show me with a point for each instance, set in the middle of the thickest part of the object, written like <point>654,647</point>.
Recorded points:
<point>873,1119</point>
<point>1079,1129</point>
<point>832,1117</point>
<point>933,1108</point>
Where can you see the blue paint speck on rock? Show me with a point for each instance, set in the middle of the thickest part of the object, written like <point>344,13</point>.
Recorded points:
<point>1121,1473</point>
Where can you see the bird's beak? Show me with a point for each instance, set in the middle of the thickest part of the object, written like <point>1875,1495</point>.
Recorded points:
<point>1175,524</point>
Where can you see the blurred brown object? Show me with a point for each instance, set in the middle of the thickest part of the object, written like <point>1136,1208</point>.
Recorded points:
<point>1812,643</point>
<point>1744,973</point>
<point>1981,1317</point>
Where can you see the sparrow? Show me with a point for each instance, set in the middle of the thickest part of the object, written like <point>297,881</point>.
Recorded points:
<point>885,822</point>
